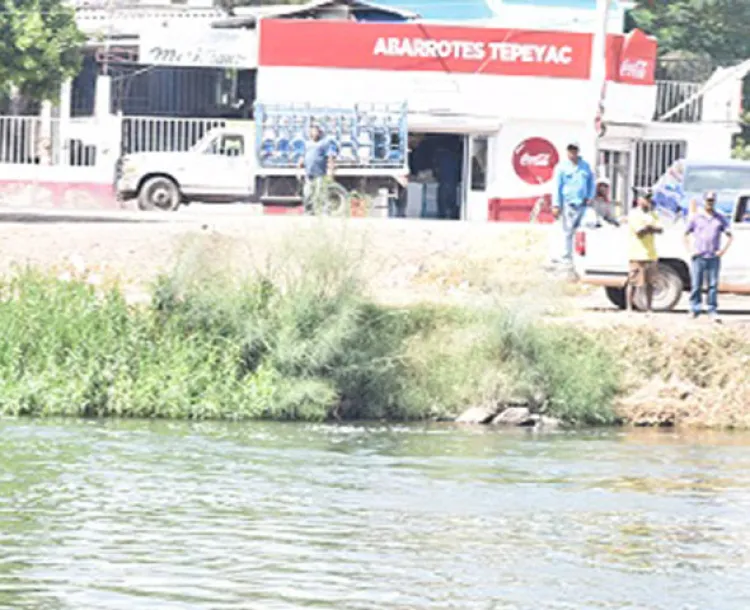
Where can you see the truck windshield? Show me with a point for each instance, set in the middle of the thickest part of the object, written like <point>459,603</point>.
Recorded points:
<point>702,179</point>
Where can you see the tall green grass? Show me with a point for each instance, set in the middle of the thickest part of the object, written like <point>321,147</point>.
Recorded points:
<point>299,340</point>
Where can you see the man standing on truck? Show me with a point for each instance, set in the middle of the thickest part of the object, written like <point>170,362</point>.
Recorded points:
<point>643,224</point>
<point>602,203</point>
<point>318,163</point>
<point>574,189</point>
<point>706,227</point>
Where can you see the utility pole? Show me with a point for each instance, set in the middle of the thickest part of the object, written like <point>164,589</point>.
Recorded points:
<point>598,71</point>
<point>108,36</point>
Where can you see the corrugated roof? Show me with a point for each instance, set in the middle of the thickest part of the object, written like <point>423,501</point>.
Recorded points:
<point>246,16</point>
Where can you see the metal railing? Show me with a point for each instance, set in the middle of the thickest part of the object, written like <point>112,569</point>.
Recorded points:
<point>28,140</point>
<point>671,93</point>
<point>157,134</point>
<point>653,158</point>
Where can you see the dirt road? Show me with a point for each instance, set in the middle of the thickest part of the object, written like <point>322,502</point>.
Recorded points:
<point>405,261</point>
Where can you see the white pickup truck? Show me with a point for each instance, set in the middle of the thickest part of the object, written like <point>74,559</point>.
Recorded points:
<point>219,168</point>
<point>601,259</point>
<point>241,163</point>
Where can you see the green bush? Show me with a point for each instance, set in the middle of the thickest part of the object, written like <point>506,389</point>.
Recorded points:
<point>299,342</point>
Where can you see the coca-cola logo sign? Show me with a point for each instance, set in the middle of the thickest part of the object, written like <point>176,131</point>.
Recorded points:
<point>636,69</point>
<point>534,160</point>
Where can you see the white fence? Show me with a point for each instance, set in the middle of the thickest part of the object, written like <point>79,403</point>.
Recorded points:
<point>671,93</point>
<point>147,134</point>
<point>28,140</point>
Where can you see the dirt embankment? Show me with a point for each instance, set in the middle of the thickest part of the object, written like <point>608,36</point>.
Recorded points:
<point>674,371</point>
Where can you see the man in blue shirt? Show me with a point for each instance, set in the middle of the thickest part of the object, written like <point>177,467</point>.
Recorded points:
<point>574,190</point>
<point>317,163</point>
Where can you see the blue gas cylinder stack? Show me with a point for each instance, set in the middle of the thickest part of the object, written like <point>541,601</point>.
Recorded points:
<point>359,137</point>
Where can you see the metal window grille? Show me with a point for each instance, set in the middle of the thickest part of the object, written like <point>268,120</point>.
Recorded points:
<point>653,158</point>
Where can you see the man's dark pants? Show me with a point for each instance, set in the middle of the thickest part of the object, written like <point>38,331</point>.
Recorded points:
<point>446,200</point>
<point>705,269</point>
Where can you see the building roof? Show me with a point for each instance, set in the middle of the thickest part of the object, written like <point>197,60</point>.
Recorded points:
<point>247,16</point>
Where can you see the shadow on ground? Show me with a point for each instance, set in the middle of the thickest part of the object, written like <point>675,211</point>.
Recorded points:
<point>25,217</point>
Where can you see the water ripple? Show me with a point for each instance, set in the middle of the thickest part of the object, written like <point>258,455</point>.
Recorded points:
<point>283,517</point>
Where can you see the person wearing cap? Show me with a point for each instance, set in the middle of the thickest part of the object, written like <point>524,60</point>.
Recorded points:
<point>643,225</point>
<point>318,162</point>
<point>705,228</point>
<point>602,204</point>
<point>574,190</point>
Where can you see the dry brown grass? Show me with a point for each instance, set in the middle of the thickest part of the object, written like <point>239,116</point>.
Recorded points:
<point>686,379</point>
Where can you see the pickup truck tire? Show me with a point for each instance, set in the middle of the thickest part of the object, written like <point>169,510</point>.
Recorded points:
<point>617,297</point>
<point>667,292</point>
<point>159,193</point>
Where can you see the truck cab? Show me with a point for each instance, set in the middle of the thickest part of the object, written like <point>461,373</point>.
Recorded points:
<point>219,168</point>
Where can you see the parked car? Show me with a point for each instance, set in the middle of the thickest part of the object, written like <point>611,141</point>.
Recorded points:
<point>601,259</point>
<point>687,180</point>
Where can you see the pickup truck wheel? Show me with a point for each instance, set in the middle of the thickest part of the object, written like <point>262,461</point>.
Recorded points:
<point>159,193</point>
<point>617,297</point>
<point>667,290</point>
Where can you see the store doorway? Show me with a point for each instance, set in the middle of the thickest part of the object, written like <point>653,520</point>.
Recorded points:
<point>437,166</point>
<point>476,170</point>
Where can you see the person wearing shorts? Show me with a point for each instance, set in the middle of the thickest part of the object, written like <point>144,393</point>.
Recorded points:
<point>643,224</point>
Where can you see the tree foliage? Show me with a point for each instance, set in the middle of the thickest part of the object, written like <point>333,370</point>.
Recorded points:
<point>717,28</point>
<point>696,36</point>
<point>40,46</point>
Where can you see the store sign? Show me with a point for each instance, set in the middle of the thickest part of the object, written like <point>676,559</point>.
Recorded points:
<point>534,160</point>
<point>198,48</point>
<point>451,49</point>
<point>424,48</point>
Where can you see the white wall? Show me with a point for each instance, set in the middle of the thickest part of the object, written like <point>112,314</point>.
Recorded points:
<point>629,103</point>
<point>480,95</point>
<point>705,141</point>
<point>504,182</point>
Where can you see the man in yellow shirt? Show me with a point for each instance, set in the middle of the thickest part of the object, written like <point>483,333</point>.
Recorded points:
<point>643,224</point>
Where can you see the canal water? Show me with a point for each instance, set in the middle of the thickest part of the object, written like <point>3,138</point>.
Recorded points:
<point>279,517</point>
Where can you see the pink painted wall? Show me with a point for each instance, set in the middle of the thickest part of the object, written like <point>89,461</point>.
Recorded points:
<point>57,194</point>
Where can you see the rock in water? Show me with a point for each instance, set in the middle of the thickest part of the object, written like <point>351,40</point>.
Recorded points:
<point>477,415</point>
<point>549,423</point>
<point>513,416</point>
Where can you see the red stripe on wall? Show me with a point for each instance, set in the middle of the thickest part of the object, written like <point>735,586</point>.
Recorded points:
<point>520,210</point>
<point>51,194</point>
<point>282,210</point>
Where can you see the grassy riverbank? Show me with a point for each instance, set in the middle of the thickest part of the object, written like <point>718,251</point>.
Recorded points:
<point>298,339</point>
<point>298,336</point>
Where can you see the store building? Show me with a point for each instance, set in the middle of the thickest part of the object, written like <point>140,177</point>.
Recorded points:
<point>506,101</point>
<point>479,84</point>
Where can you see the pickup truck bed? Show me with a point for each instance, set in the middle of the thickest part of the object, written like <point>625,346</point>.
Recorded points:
<point>601,259</point>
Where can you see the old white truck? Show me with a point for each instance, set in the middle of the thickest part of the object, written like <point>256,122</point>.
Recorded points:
<point>241,162</point>
<point>219,168</point>
<point>601,259</point>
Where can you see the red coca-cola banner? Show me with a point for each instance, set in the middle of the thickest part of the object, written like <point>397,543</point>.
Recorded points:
<point>421,47</point>
<point>637,60</point>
